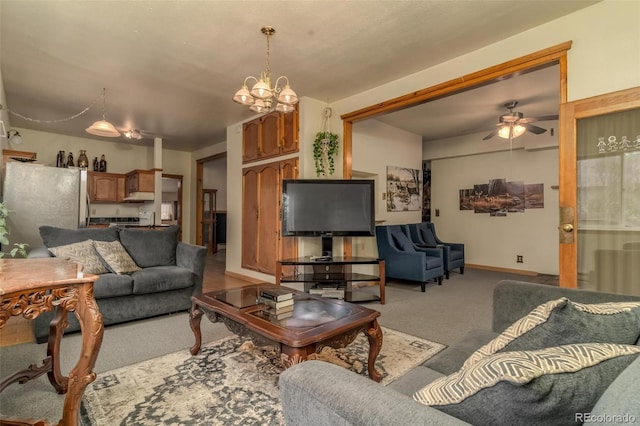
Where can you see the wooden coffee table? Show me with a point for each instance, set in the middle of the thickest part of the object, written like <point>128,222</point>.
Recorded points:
<point>316,322</point>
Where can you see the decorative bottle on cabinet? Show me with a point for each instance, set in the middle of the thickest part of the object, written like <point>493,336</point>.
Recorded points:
<point>83,161</point>
<point>96,165</point>
<point>103,164</point>
<point>60,160</point>
<point>70,162</point>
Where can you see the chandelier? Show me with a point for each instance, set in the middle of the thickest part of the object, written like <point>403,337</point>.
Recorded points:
<point>262,96</point>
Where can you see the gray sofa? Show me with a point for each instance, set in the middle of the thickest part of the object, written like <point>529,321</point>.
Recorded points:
<point>319,393</point>
<point>170,273</point>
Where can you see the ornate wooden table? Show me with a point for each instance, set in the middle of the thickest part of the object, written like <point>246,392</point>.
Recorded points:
<point>29,287</point>
<point>316,322</point>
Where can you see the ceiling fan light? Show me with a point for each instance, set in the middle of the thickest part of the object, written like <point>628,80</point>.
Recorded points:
<point>505,131</point>
<point>261,90</point>
<point>288,96</point>
<point>103,128</point>
<point>243,96</point>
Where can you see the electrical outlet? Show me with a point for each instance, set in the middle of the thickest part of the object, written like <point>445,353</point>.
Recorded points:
<point>519,258</point>
<point>93,211</point>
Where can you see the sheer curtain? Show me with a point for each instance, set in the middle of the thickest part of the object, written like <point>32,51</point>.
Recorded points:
<point>609,202</point>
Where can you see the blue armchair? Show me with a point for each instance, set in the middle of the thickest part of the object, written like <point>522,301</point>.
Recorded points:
<point>403,261</point>
<point>424,235</point>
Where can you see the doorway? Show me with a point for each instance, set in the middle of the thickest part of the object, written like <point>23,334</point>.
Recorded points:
<point>171,208</point>
<point>555,55</point>
<point>211,189</point>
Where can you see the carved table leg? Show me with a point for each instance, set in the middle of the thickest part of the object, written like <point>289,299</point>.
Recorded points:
<point>195,316</point>
<point>56,329</point>
<point>82,374</point>
<point>374,334</point>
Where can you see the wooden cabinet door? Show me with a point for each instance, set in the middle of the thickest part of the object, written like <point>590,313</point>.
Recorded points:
<point>288,246</point>
<point>250,140</point>
<point>268,218</point>
<point>289,132</point>
<point>250,203</point>
<point>103,188</point>
<point>270,135</point>
<point>262,244</point>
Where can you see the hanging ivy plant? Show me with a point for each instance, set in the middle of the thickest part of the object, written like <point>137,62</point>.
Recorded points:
<point>325,148</point>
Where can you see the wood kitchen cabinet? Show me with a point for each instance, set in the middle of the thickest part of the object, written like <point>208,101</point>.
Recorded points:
<point>105,187</point>
<point>262,241</point>
<point>140,181</point>
<point>269,136</point>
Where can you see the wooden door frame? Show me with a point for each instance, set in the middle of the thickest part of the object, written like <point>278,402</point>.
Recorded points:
<point>199,187</point>
<point>540,59</point>
<point>570,113</point>
<point>180,201</point>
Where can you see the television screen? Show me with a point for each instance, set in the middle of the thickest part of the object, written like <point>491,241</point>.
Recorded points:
<point>318,207</point>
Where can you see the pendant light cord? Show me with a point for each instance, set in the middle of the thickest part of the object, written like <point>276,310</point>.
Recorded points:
<point>60,120</point>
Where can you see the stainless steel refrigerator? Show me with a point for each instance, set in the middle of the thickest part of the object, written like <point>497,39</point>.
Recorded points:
<point>39,195</point>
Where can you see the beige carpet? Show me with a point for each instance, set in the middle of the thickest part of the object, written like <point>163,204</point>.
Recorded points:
<point>229,382</point>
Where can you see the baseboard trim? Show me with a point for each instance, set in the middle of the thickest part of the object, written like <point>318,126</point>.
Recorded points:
<point>507,270</point>
<point>250,280</point>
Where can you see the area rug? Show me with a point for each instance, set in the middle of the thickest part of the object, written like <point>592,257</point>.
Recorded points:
<point>230,381</point>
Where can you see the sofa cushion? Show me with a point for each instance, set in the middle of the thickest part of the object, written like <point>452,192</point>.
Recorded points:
<point>162,278</point>
<point>547,386</point>
<point>116,257</point>
<point>560,322</point>
<point>54,237</point>
<point>452,358</point>
<point>151,247</point>
<point>620,399</point>
<point>82,252</point>
<point>113,285</point>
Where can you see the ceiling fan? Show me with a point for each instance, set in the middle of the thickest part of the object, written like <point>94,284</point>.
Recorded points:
<point>133,134</point>
<point>514,123</point>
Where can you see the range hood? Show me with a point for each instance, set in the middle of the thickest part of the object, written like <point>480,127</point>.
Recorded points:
<point>140,196</point>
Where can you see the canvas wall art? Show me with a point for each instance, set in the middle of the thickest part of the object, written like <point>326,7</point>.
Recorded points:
<point>403,189</point>
<point>500,197</point>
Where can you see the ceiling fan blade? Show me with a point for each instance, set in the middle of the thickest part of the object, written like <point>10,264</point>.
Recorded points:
<point>534,129</point>
<point>542,118</point>
<point>490,135</point>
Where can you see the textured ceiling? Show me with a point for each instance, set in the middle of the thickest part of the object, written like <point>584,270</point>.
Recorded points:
<point>171,67</point>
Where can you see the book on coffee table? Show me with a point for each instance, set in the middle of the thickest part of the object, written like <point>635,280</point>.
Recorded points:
<point>274,304</point>
<point>276,294</point>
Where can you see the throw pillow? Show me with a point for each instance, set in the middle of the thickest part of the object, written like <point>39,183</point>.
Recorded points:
<point>151,247</point>
<point>547,386</point>
<point>561,322</point>
<point>55,237</point>
<point>116,257</point>
<point>402,242</point>
<point>83,253</point>
<point>427,237</point>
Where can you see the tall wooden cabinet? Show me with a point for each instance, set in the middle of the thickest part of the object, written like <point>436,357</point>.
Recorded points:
<point>269,136</point>
<point>262,242</point>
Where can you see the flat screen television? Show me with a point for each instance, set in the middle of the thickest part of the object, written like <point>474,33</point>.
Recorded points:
<point>328,208</point>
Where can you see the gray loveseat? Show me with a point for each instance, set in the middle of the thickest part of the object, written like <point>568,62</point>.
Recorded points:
<point>170,273</point>
<point>319,393</point>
